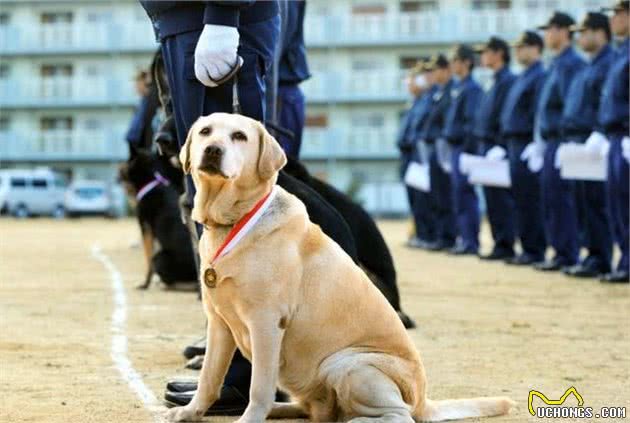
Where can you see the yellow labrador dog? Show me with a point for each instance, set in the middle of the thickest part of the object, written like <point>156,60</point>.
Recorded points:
<point>304,314</point>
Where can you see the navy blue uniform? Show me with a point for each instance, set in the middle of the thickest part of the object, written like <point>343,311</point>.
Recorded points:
<point>465,97</point>
<point>517,130</point>
<point>293,69</point>
<point>613,117</point>
<point>558,195</point>
<point>407,141</point>
<point>499,201</point>
<point>579,119</point>
<point>440,195</point>
<point>177,25</point>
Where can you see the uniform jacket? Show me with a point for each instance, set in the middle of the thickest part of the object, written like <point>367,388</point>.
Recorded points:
<point>293,65</point>
<point>487,126</point>
<point>579,117</point>
<point>175,17</point>
<point>434,123</point>
<point>613,112</point>
<point>519,109</point>
<point>460,116</point>
<point>554,93</point>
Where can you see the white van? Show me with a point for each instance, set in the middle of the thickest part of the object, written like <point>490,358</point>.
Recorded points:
<point>26,192</point>
<point>88,197</point>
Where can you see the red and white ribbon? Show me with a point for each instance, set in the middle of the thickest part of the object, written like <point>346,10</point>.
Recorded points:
<point>243,226</point>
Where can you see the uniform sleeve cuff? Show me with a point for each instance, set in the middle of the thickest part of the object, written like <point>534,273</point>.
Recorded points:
<point>220,15</point>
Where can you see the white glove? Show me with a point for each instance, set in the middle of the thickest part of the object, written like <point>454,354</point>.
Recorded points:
<point>216,53</point>
<point>625,148</point>
<point>496,153</point>
<point>597,144</point>
<point>534,154</point>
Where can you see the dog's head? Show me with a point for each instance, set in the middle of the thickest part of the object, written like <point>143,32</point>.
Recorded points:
<point>231,147</point>
<point>230,151</point>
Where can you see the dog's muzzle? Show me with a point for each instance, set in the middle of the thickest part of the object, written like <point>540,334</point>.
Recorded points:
<point>211,160</point>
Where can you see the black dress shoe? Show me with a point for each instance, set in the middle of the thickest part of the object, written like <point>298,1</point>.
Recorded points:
<point>496,255</point>
<point>195,349</point>
<point>439,246</point>
<point>460,250</point>
<point>550,265</point>
<point>521,260</point>
<point>181,385</point>
<point>583,271</point>
<point>616,277</point>
<point>231,403</point>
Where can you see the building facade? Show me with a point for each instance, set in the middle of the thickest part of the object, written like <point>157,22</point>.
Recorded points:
<point>67,68</point>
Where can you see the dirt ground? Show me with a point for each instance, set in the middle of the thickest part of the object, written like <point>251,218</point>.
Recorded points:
<point>483,328</point>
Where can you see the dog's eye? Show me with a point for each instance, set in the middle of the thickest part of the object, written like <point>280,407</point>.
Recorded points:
<point>239,136</point>
<point>205,131</point>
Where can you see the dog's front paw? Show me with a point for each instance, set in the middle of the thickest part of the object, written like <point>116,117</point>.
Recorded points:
<point>183,414</point>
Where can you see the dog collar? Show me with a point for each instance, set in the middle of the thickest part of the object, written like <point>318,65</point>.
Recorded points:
<point>158,179</point>
<point>244,225</point>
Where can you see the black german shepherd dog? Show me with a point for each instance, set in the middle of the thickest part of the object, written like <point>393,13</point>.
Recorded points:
<point>160,220</point>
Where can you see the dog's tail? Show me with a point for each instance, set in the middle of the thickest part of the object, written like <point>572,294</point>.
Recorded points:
<point>435,411</point>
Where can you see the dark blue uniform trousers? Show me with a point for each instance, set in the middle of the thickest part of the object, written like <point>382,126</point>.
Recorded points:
<point>465,204</point>
<point>291,117</point>
<point>500,211</point>
<point>192,99</point>
<point>559,209</point>
<point>597,238</point>
<point>619,199</point>
<point>528,210</point>
<point>419,204</point>
<point>440,203</point>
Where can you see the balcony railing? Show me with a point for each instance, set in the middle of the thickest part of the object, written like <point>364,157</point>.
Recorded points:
<point>77,38</point>
<point>349,143</point>
<point>444,26</point>
<point>359,86</point>
<point>62,145</point>
<point>66,92</point>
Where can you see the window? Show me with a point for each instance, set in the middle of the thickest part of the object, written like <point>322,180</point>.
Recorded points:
<point>371,120</point>
<point>369,9</point>
<point>4,18</point>
<point>40,183</point>
<point>418,6</point>
<point>491,4</point>
<point>18,182</point>
<point>99,16</point>
<point>52,70</point>
<point>4,71</point>
<point>5,123</point>
<point>56,123</point>
<point>92,124</point>
<point>316,121</point>
<point>56,17</point>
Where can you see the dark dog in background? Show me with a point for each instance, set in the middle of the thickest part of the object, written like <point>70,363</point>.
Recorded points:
<point>160,221</point>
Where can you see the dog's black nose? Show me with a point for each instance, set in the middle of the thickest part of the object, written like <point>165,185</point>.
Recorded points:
<point>213,152</point>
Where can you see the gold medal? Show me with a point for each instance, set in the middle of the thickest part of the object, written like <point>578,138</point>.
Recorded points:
<point>210,277</point>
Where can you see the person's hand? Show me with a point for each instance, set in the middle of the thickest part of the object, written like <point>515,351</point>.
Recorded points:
<point>216,53</point>
<point>534,154</point>
<point>597,144</point>
<point>496,153</point>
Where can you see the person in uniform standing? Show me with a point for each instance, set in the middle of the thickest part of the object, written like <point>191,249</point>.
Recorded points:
<point>431,130</point>
<point>421,91</point>
<point>201,42</point>
<point>580,125</point>
<point>495,55</point>
<point>558,195</point>
<point>517,130</point>
<point>613,117</point>
<point>457,138</point>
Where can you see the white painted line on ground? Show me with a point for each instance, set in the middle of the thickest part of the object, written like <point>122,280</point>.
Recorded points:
<point>119,339</point>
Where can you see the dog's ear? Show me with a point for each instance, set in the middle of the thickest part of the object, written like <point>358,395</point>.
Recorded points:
<point>271,157</point>
<point>184,152</point>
